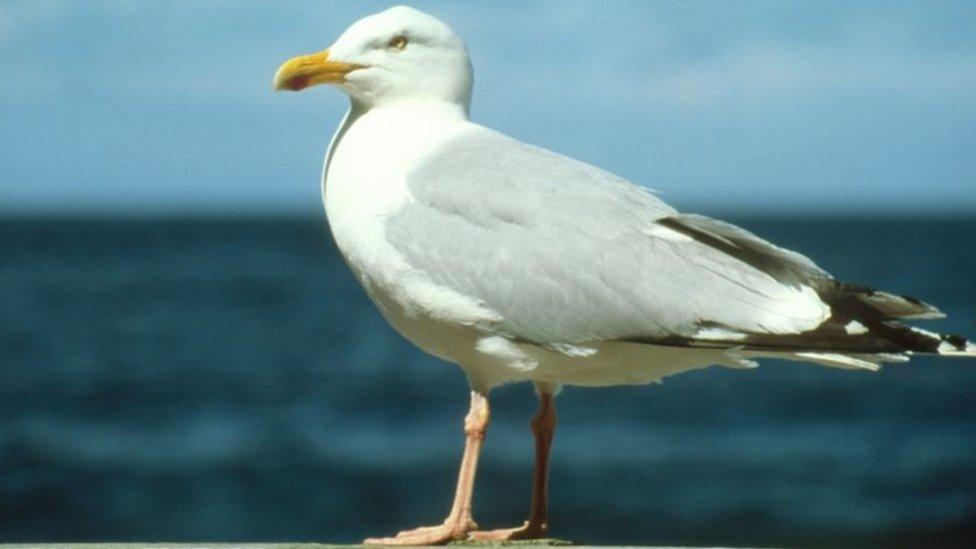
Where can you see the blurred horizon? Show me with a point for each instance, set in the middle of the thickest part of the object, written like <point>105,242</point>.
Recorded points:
<point>755,108</point>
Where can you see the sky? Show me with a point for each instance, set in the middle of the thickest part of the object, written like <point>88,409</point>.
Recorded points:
<point>156,107</point>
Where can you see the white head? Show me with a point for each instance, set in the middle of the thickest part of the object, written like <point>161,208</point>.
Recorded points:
<point>395,55</point>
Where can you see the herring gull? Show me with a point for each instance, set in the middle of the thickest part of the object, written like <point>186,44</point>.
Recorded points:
<point>519,264</point>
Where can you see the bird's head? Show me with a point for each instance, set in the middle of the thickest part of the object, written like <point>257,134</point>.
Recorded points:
<point>395,55</point>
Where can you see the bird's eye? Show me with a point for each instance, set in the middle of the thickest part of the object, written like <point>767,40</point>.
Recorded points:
<point>398,42</point>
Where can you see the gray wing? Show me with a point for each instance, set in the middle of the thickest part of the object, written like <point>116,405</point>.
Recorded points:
<point>566,253</point>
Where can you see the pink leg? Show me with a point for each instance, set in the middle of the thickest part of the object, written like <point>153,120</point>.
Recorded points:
<point>543,427</point>
<point>458,523</point>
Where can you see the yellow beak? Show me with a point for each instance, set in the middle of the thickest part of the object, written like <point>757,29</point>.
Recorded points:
<point>309,70</point>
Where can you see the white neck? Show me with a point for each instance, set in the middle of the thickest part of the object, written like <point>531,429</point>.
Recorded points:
<point>396,132</point>
<point>421,108</point>
<point>410,117</point>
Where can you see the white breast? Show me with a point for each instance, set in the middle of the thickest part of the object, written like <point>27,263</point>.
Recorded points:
<point>365,183</point>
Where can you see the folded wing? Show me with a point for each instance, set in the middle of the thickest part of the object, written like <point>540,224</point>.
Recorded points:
<point>566,253</point>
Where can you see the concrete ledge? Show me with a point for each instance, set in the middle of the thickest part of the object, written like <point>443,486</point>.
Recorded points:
<point>291,546</point>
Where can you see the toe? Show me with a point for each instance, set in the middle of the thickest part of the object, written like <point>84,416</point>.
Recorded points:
<point>427,535</point>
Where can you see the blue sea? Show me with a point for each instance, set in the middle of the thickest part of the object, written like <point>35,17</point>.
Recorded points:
<point>227,380</point>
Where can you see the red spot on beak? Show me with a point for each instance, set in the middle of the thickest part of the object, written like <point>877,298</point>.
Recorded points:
<point>297,83</point>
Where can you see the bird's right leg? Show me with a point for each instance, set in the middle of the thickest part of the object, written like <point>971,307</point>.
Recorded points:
<point>459,522</point>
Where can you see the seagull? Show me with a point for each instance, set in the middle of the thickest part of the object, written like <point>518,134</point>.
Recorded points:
<point>520,264</point>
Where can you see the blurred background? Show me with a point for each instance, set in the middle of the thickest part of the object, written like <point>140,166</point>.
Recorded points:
<point>184,356</point>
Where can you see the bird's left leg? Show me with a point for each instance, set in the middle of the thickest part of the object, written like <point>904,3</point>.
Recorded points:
<point>543,428</point>
<point>459,521</point>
